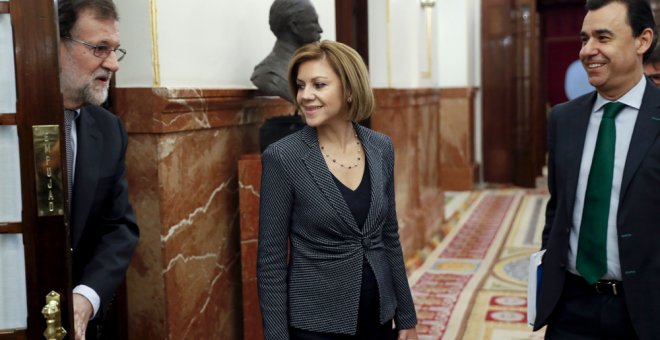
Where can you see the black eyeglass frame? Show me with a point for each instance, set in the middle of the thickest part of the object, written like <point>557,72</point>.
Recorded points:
<point>101,51</point>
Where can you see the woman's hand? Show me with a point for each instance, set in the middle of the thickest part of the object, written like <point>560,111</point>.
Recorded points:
<point>408,334</point>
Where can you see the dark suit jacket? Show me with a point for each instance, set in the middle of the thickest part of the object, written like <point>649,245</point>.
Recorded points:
<point>103,228</point>
<point>638,222</point>
<point>319,288</point>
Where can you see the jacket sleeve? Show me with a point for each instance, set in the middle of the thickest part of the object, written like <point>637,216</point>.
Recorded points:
<point>276,202</point>
<point>405,316</point>
<point>115,233</point>
<point>552,203</point>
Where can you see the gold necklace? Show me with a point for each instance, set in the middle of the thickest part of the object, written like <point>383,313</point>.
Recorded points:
<point>349,167</point>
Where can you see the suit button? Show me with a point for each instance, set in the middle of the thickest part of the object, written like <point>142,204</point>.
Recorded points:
<point>562,265</point>
<point>366,243</point>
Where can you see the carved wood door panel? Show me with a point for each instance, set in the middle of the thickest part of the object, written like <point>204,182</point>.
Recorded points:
<point>34,241</point>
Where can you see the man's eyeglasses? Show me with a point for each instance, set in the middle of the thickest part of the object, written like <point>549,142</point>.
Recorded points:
<point>102,51</point>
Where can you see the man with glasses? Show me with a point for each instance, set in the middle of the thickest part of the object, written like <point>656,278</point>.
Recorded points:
<point>103,229</point>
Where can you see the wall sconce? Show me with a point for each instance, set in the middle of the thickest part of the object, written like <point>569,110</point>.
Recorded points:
<point>427,6</point>
<point>427,3</point>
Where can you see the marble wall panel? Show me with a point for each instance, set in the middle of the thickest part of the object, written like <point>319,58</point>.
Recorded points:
<point>146,288</point>
<point>193,276</point>
<point>249,174</point>
<point>411,118</point>
<point>458,166</point>
<point>200,238</point>
<point>184,146</point>
<point>161,110</point>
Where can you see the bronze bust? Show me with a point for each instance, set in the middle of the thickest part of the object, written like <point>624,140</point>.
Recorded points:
<point>294,23</point>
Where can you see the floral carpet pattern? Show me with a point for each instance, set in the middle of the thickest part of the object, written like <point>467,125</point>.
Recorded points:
<point>473,285</point>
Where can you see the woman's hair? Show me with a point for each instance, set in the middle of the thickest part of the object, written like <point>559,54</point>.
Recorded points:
<point>350,68</point>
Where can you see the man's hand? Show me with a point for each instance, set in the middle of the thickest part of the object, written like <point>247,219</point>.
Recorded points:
<point>408,334</point>
<point>82,311</point>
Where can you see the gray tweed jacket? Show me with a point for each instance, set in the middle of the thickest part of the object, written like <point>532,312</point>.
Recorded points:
<point>317,288</point>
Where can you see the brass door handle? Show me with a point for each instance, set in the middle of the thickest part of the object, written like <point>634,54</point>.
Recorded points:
<point>51,311</point>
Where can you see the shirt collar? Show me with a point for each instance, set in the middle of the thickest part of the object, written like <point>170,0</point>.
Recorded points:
<point>632,98</point>
<point>76,114</point>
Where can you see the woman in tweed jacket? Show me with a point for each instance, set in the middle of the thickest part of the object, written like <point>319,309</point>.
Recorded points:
<point>330,264</point>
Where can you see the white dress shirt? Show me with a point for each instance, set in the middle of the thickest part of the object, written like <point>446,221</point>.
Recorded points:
<point>625,123</point>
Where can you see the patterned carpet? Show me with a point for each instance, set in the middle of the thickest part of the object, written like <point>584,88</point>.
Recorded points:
<point>473,285</point>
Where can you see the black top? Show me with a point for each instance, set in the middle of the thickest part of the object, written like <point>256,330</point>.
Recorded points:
<point>358,201</point>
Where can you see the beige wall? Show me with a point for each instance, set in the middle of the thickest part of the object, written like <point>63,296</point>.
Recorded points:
<point>199,43</point>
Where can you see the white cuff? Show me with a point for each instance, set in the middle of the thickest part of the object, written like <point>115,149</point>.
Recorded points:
<point>90,295</point>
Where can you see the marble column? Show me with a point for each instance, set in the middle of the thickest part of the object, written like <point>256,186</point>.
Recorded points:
<point>412,118</point>
<point>184,145</point>
<point>249,174</point>
<point>458,168</point>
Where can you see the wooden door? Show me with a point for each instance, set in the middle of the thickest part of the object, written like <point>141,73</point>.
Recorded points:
<point>498,90</point>
<point>34,131</point>
<point>352,25</point>
<point>561,25</point>
<point>352,29</point>
<point>513,112</point>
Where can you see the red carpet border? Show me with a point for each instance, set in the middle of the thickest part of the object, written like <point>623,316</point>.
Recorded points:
<point>499,311</point>
<point>444,286</point>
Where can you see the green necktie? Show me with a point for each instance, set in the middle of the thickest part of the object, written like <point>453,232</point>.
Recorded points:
<point>592,248</point>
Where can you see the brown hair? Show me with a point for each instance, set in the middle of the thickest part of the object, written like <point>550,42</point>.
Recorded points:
<point>350,68</point>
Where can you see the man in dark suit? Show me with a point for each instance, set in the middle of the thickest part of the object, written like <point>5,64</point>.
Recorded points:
<point>103,228</point>
<point>602,235</point>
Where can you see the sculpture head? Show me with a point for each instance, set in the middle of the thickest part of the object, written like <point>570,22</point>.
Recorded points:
<point>295,21</point>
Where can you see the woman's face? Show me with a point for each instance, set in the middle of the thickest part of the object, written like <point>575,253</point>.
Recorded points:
<point>320,93</point>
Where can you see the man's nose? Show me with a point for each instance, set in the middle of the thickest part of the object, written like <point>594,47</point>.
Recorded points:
<point>111,63</point>
<point>588,48</point>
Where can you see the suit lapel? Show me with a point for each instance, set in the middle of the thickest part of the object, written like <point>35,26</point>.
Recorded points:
<point>375,165</point>
<point>321,175</point>
<point>645,133</point>
<point>577,127</point>
<point>88,159</point>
